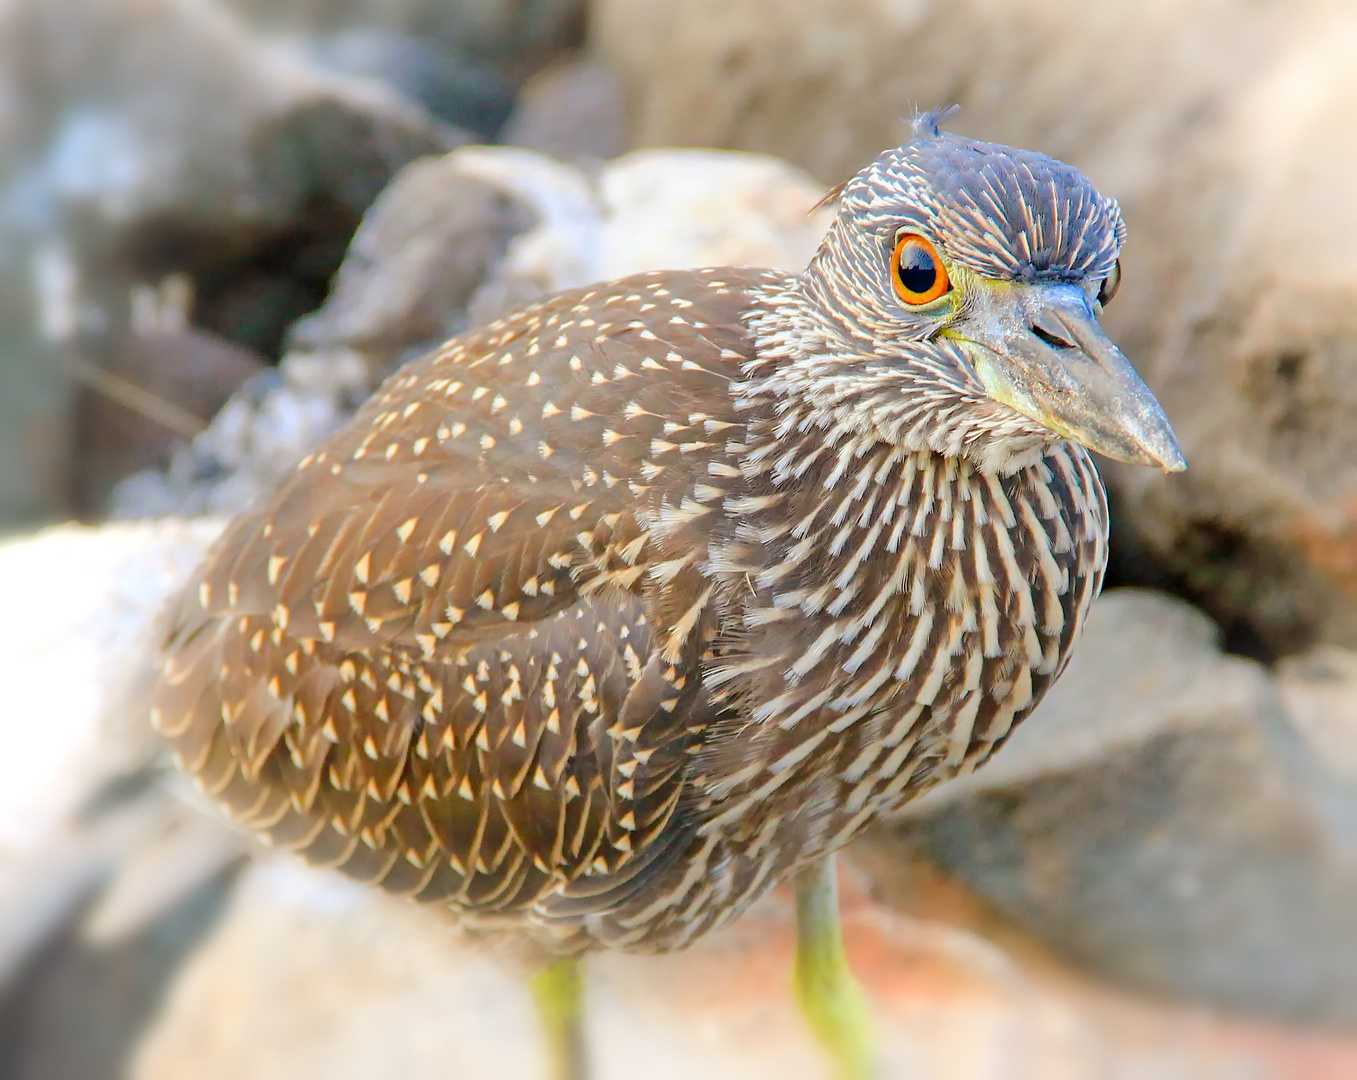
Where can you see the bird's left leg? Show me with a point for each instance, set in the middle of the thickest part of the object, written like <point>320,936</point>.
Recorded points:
<point>830,997</point>
<point>559,993</point>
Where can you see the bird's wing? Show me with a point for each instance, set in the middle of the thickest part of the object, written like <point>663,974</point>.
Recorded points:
<point>447,654</point>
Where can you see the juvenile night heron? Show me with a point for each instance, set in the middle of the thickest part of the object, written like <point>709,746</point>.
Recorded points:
<point>600,620</point>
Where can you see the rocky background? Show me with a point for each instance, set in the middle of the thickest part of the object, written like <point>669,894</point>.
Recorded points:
<point>223,221</point>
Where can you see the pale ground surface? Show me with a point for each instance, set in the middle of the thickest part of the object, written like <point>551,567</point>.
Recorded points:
<point>309,976</point>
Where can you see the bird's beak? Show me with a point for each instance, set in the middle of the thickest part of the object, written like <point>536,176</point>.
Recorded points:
<point>1043,353</point>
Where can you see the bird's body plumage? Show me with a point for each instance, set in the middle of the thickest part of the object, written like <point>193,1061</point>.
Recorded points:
<point>594,625</point>
<point>599,621</point>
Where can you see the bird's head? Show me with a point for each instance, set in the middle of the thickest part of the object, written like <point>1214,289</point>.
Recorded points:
<point>957,297</point>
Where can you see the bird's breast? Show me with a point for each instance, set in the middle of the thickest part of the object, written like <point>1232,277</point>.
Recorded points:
<point>901,612</point>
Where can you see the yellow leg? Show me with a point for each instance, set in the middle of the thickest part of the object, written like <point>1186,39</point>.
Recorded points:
<point>559,993</point>
<point>830,997</point>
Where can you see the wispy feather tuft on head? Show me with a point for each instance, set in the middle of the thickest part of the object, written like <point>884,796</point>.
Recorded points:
<point>953,306</point>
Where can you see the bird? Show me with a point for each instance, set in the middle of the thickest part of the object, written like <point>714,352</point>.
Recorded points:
<point>603,618</point>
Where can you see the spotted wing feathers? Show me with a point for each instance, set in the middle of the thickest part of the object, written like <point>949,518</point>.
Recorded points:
<point>451,655</point>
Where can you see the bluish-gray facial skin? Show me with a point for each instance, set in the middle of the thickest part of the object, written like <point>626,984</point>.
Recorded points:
<point>1029,246</point>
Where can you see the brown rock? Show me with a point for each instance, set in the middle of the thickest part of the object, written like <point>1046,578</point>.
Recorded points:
<point>161,384</point>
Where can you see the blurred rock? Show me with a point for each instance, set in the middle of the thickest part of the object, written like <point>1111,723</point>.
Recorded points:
<point>681,208</point>
<point>79,1009</point>
<point>163,383</point>
<point>574,110</point>
<point>515,36</point>
<point>829,84</point>
<point>560,250</point>
<point>181,849</point>
<point>1258,357</point>
<point>1320,691</point>
<point>458,240</point>
<point>422,251</point>
<point>105,878</point>
<point>261,432</point>
<point>35,447</point>
<point>1160,820</point>
<point>89,599</point>
<point>144,139</point>
<point>467,95</point>
<point>166,138</point>
<point>1227,131</point>
<point>246,137</point>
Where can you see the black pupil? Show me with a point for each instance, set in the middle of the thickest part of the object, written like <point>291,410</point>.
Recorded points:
<point>1108,288</point>
<point>918,272</point>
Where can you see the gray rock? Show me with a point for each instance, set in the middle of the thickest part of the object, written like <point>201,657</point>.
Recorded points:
<point>1225,128</point>
<point>106,879</point>
<point>234,146</point>
<point>261,433</point>
<point>1161,820</point>
<point>423,251</point>
<point>310,976</point>
<point>647,210</point>
<point>36,398</point>
<point>307,975</point>
<point>140,140</point>
<point>79,1010</point>
<point>230,133</point>
<point>90,599</point>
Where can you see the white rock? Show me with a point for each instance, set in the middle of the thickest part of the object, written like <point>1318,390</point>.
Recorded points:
<point>80,607</point>
<point>673,209</point>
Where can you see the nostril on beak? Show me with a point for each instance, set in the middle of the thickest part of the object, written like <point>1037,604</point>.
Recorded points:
<point>1053,340</point>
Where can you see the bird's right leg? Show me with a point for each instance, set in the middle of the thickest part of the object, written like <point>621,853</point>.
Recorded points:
<point>830,997</point>
<point>559,993</point>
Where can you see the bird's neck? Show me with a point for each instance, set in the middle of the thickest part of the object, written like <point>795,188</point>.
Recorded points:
<point>816,372</point>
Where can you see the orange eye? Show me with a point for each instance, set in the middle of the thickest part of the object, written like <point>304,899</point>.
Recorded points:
<point>1111,283</point>
<point>917,271</point>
